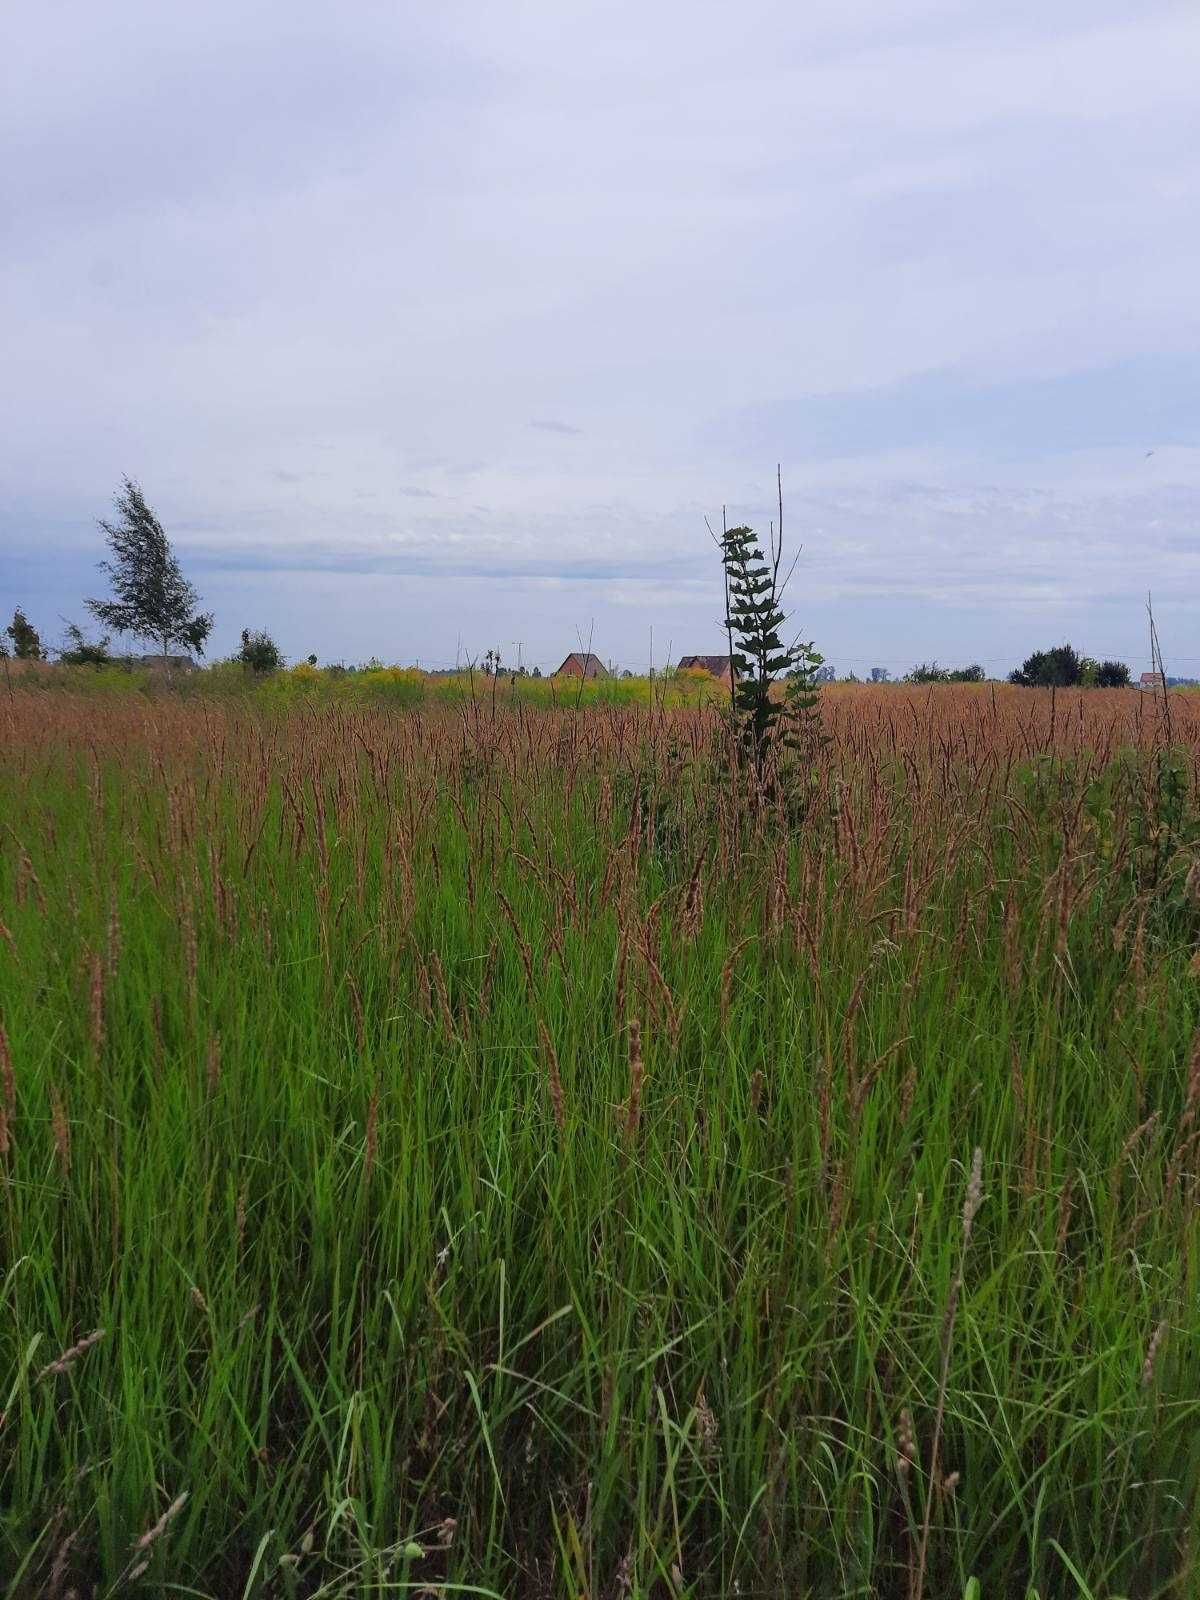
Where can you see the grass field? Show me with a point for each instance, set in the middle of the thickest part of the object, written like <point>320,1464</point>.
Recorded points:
<point>471,1150</point>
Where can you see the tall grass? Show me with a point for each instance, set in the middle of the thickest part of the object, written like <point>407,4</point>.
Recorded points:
<point>474,1152</point>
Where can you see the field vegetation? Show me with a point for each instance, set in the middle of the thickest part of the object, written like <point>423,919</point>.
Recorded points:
<point>477,1147</point>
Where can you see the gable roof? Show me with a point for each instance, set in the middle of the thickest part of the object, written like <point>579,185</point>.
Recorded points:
<point>718,666</point>
<point>586,662</point>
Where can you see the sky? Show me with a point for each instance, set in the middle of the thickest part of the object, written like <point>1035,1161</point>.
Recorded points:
<point>434,329</point>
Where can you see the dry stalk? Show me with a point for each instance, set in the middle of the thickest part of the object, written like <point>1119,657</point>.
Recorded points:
<point>58,1567</point>
<point>522,944</point>
<point>637,1078</point>
<point>727,975</point>
<point>96,1003</point>
<point>212,1065</point>
<point>371,1141</point>
<point>8,1092</point>
<point>443,997</point>
<point>356,1005</point>
<point>693,902</point>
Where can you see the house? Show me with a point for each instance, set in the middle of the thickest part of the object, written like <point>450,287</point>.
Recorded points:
<point>169,663</point>
<point>1150,680</point>
<point>715,666</point>
<point>582,664</point>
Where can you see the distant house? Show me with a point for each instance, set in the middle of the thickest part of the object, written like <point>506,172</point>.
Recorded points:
<point>715,666</point>
<point>1150,680</point>
<point>582,664</point>
<point>169,663</point>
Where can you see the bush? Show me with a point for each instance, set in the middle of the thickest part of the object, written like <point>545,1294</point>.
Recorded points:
<point>259,653</point>
<point>27,645</point>
<point>79,651</point>
<point>1059,668</point>
<point>930,672</point>
<point>1112,675</point>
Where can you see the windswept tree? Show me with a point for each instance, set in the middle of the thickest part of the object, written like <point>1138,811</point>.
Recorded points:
<point>26,641</point>
<point>151,597</point>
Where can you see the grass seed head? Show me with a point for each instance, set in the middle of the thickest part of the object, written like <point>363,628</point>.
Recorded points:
<point>974,1197</point>
<point>68,1358</point>
<point>554,1078</point>
<point>1152,1349</point>
<point>637,1078</point>
<point>370,1144</point>
<point>8,1077</point>
<point>212,1066</point>
<point>706,1423</point>
<point>906,1445</point>
<point>153,1534</point>
<point>96,1003</point>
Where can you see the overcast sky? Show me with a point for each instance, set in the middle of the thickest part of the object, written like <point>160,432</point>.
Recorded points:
<point>433,328</point>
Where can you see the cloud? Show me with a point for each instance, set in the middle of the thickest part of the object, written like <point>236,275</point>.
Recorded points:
<point>549,425</point>
<point>313,277</point>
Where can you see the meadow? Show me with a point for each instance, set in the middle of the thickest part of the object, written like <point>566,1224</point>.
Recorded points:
<point>474,1147</point>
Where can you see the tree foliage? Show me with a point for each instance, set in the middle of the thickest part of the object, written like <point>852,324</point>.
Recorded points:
<point>754,617</point>
<point>259,653</point>
<point>1112,675</point>
<point>930,672</point>
<point>26,641</point>
<point>80,651</point>
<point>151,597</point>
<point>1059,668</point>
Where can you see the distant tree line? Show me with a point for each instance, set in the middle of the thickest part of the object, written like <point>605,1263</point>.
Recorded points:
<point>930,672</point>
<point>1060,667</point>
<point>1064,668</point>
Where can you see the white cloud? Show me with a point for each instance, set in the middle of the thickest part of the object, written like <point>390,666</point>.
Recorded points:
<point>526,292</point>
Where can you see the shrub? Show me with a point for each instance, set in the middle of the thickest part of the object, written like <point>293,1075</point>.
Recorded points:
<point>259,653</point>
<point>930,672</point>
<point>1058,668</point>
<point>79,651</point>
<point>27,644</point>
<point>1112,675</point>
